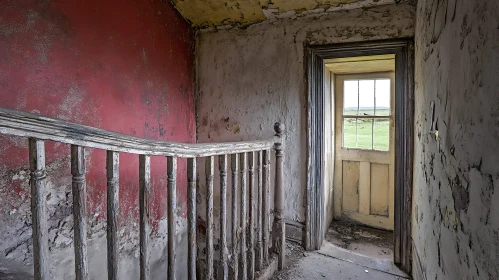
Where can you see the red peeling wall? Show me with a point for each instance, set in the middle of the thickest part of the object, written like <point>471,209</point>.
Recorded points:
<point>120,65</point>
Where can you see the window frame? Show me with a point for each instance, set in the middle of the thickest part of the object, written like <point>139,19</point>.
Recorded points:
<point>388,75</point>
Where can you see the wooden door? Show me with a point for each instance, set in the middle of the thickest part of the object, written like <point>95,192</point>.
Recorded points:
<point>364,158</point>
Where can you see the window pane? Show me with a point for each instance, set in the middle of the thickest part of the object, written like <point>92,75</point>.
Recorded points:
<point>383,97</point>
<point>350,97</point>
<point>365,134</point>
<point>382,134</point>
<point>349,133</point>
<point>366,97</point>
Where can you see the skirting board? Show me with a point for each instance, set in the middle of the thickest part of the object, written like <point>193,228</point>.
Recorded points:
<point>294,232</point>
<point>270,270</point>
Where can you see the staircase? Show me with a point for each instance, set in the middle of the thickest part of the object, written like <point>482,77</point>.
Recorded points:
<point>257,246</point>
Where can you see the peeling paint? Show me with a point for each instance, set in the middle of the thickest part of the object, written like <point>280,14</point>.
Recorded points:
<point>256,76</point>
<point>209,13</point>
<point>456,176</point>
<point>129,72</point>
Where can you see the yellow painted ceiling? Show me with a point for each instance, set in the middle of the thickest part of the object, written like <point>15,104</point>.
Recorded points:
<point>203,13</point>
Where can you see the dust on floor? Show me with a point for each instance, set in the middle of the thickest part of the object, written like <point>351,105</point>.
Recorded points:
<point>361,239</point>
<point>350,251</point>
<point>318,266</point>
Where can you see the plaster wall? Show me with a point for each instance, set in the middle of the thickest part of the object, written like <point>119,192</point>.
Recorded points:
<point>456,175</point>
<point>205,13</point>
<point>124,66</point>
<point>248,79</point>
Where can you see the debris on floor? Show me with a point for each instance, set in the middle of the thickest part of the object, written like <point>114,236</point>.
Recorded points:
<point>349,252</point>
<point>294,252</point>
<point>317,266</point>
<point>361,239</point>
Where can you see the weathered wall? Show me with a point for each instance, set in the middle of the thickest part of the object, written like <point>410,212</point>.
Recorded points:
<point>456,177</point>
<point>249,79</point>
<point>203,13</point>
<point>125,66</point>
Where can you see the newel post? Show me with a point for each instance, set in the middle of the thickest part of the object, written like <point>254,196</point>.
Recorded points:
<point>279,233</point>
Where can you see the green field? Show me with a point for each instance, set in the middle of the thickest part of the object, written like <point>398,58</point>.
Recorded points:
<point>365,137</point>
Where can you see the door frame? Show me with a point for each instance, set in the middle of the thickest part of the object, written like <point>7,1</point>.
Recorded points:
<point>404,138</point>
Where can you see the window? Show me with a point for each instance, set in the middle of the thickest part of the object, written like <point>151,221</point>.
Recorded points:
<point>366,114</point>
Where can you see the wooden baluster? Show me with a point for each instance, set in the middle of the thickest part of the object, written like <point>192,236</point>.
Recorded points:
<point>38,208</point>
<point>113,173</point>
<point>222,166</point>
<point>79,211</point>
<point>266,202</point>
<point>145,187</point>
<point>235,260</point>
<point>172,212</point>
<point>252,203</point>
<point>244,268</point>
<point>279,230</point>
<point>191,218</point>
<point>259,227</point>
<point>209,217</point>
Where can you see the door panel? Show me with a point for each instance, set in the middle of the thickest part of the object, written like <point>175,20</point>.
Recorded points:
<point>351,182</point>
<point>364,143</point>
<point>379,189</point>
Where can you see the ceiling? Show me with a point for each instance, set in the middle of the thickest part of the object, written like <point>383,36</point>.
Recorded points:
<point>205,13</point>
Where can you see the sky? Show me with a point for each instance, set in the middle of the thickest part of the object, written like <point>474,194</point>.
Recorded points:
<point>366,91</point>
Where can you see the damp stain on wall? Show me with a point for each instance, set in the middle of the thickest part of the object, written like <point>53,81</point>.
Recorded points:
<point>124,66</point>
<point>204,13</point>
<point>248,79</point>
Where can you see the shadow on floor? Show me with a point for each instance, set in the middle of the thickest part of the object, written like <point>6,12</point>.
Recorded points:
<point>360,239</point>
<point>349,252</point>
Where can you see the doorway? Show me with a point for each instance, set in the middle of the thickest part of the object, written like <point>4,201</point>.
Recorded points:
<point>364,146</point>
<point>359,160</point>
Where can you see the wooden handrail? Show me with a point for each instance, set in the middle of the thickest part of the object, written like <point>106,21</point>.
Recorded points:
<point>251,251</point>
<point>24,124</point>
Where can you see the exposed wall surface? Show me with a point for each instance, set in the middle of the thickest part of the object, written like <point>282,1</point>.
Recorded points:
<point>249,79</point>
<point>125,66</point>
<point>204,13</point>
<point>456,176</point>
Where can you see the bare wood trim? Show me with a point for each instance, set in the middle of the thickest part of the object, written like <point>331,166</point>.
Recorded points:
<point>78,171</point>
<point>252,204</point>
<point>404,127</point>
<point>279,230</point>
<point>38,208</point>
<point>172,215</point>
<point>210,163</point>
<point>268,271</point>
<point>244,265</point>
<point>234,162</point>
<point>315,146</point>
<point>113,175</point>
<point>259,221</point>
<point>266,204</point>
<point>404,176</point>
<point>191,218</point>
<point>222,166</point>
<point>294,231</point>
<point>145,186</point>
<point>381,222</point>
<point>24,124</point>
<point>365,117</point>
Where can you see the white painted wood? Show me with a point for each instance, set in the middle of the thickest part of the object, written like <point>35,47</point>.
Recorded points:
<point>365,188</point>
<point>353,195</point>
